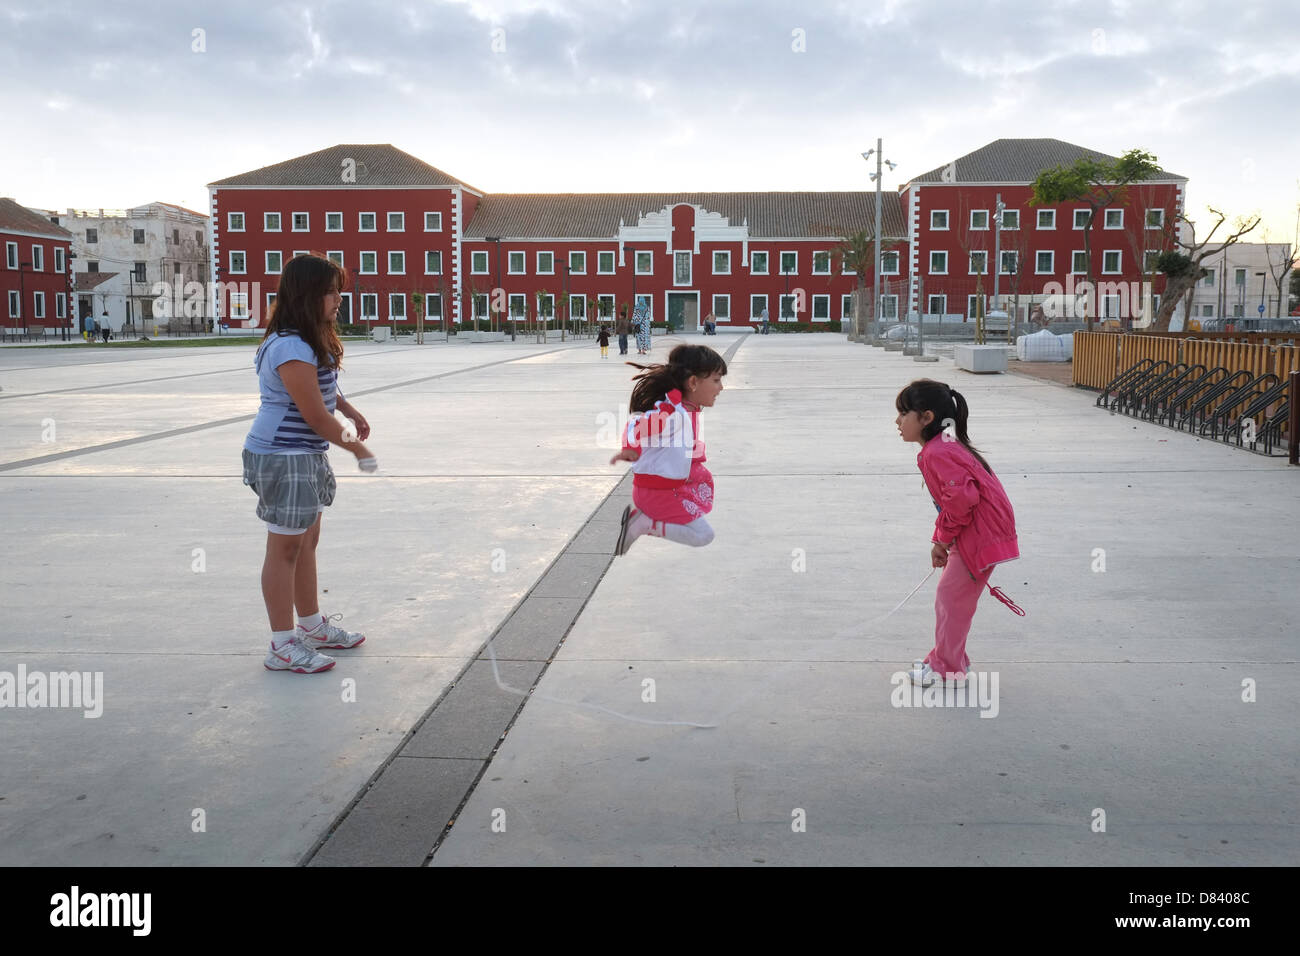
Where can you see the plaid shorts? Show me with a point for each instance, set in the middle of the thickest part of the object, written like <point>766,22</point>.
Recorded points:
<point>292,490</point>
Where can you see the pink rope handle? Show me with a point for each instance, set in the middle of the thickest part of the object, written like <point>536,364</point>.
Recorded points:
<point>997,593</point>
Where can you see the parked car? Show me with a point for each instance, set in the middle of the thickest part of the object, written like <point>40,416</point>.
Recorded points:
<point>1250,324</point>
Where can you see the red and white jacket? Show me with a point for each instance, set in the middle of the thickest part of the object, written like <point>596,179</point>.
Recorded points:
<point>665,439</point>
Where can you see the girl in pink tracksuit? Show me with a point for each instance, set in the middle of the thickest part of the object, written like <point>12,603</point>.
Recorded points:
<point>975,529</point>
<point>672,490</point>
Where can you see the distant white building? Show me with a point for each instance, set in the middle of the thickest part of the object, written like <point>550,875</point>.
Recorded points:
<point>1241,279</point>
<point>120,254</point>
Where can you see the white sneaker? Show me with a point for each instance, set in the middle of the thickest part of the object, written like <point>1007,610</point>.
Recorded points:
<point>327,635</point>
<point>925,676</point>
<point>293,656</point>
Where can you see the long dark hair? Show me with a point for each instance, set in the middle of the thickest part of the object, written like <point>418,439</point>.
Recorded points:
<point>305,282</point>
<point>655,381</point>
<point>927,395</point>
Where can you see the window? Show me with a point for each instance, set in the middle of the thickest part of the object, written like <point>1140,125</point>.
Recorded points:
<point>644,263</point>
<point>92,235</point>
<point>517,263</point>
<point>334,222</point>
<point>59,261</point>
<point>889,263</point>
<point>301,222</point>
<point>176,268</point>
<point>61,306</point>
<point>577,263</point>
<point>1152,257</point>
<point>821,308</point>
<point>270,302</point>
<point>1078,262</point>
<point>238,306</point>
<point>681,268</point>
<point>938,219</point>
<point>1111,307</point>
<point>787,304</point>
<point>1010,263</point>
<point>972,306</point>
<point>138,236</point>
<point>577,306</point>
<point>335,256</point>
<point>545,263</point>
<point>92,265</point>
<point>176,237</point>
<point>846,306</point>
<point>369,306</point>
<point>1011,219</point>
<point>821,263</point>
<point>38,305</point>
<point>369,263</point>
<point>198,237</point>
<point>938,263</point>
<point>15,304</point>
<point>546,305</point>
<point>517,304</point>
<point>1238,311</point>
<point>237,263</point>
<point>139,272</point>
<point>722,264</point>
<point>38,258</point>
<point>433,222</point>
<point>722,308</point>
<point>274,262</point>
<point>1238,278</point>
<point>979,263</point>
<point>302,252</point>
<point>979,218</point>
<point>270,222</point>
<point>397,222</point>
<point>889,307</point>
<point>1114,219</point>
<point>1047,219</point>
<point>1207,311</point>
<point>433,306</point>
<point>938,305</point>
<point>433,263</point>
<point>789,263</point>
<point>606,302</point>
<point>1081,219</point>
<point>397,263</point>
<point>757,303</point>
<point>1044,263</point>
<point>1209,278</point>
<point>758,263</point>
<point>365,222</point>
<point>396,305</point>
<point>846,267</point>
<point>605,263</point>
<point>1155,218</point>
<point>1110,262</point>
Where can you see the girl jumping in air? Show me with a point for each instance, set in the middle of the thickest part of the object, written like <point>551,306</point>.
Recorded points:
<point>975,529</point>
<point>285,461</point>
<point>672,491</point>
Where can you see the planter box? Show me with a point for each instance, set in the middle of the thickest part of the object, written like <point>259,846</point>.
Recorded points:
<point>381,333</point>
<point>980,358</point>
<point>486,336</point>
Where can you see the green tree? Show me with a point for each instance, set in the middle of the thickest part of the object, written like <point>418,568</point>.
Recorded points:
<point>858,252</point>
<point>1098,185</point>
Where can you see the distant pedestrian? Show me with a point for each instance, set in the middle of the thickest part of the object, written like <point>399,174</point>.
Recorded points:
<point>764,320</point>
<point>106,332</point>
<point>710,324</point>
<point>622,326</point>
<point>641,323</point>
<point>672,491</point>
<point>976,527</point>
<point>602,337</point>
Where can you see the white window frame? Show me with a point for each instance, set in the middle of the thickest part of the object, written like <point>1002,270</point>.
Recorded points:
<point>510,262</point>
<point>889,306</point>
<point>59,260</point>
<point>512,299</point>
<point>600,257</point>
<point>583,270</point>
<point>38,305</point>
<point>1051,262</point>
<point>1211,276</point>
<point>975,228</point>
<point>761,300</point>
<point>11,255</point>
<point>947,220</point>
<point>230,223</point>
<point>1075,219</point>
<point>361,227</point>
<point>230,262</point>
<point>821,272</point>
<point>60,305</point>
<point>1010,212</point>
<point>972,306</point>
<point>1106,224</point>
<point>1076,261</point>
<point>38,258</point>
<point>270,301</point>
<point>373,299</point>
<point>427,227</point>
<point>396,297</point>
<point>636,262</point>
<point>781,262</point>
<point>971,270</point>
<point>1038,220</point>
<point>1119,260</point>
<point>266,262</point>
<point>767,262</point>
<point>391,270</point>
<point>336,256</point>
<point>431,298</point>
<point>605,297</point>
<point>825,301</point>
<point>1148,253</point>
<point>1002,259</point>
<point>1207,311</point>
<point>884,262</point>
<point>374,262</point>
<point>846,306</point>
<point>782,299</point>
<point>577,297</point>
<point>713,257</point>
<point>388,222</point>
<point>266,218</point>
<point>427,270</point>
<point>713,306</point>
<point>938,272</point>
<point>479,257</point>
<point>327,221</point>
<point>545,272</point>
<point>1237,273</point>
<point>690,268</point>
<point>15,304</point>
<point>538,301</point>
<point>943,303</point>
<point>1160,219</point>
<point>293,222</point>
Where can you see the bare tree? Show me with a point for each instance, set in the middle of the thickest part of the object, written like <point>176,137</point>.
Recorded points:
<point>1280,264</point>
<point>1184,270</point>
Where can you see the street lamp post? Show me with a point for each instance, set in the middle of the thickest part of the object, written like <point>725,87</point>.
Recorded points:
<point>1262,276</point>
<point>497,290</point>
<point>881,162</point>
<point>22,296</point>
<point>567,314</point>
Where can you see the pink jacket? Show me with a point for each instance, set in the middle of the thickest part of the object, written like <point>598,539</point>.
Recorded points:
<point>973,507</point>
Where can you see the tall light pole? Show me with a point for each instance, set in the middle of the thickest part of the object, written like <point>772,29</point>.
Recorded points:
<point>1261,292</point>
<point>876,176</point>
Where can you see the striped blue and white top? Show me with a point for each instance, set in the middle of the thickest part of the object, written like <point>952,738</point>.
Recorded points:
<point>279,427</point>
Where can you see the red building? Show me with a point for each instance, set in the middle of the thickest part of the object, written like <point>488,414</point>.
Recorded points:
<point>34,274</point>
<point>401,226</point>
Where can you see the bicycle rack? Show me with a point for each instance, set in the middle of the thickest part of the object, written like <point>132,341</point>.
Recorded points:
<point>1223,414</point>
<point>1258,405</point>
<point>1155,401</point>
<point>1103,400</point>
<point>1189,422</point>
<point>1128,400</point>
<point>1188,393</point>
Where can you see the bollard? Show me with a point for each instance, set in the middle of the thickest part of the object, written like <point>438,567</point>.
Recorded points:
<point>1293,420</point>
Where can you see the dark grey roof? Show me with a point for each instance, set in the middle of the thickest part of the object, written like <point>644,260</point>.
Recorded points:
<point>377,164</point>
<point>1016,161</point>
<point>771,215</point>
<point>15,217</point>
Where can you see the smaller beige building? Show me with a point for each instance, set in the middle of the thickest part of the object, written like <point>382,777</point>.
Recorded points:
<point>1240,280</point>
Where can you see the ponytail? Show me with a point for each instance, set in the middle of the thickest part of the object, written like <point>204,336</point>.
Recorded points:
<point>948,406</point>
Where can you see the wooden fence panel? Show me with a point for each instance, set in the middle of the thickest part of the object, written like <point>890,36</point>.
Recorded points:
<point>1095,355</point>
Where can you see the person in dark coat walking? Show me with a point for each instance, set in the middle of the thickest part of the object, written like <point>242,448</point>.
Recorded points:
<point>622,327</point>
<point>602,338</point>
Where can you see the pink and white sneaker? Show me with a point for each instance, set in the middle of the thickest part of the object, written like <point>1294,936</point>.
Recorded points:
<point>293,656</point>
<point>326,635</point>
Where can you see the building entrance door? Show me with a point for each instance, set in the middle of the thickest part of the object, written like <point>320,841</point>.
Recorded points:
<point>684,311</point>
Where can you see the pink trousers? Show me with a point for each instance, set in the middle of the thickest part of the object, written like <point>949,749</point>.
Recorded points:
<point>954,608</point>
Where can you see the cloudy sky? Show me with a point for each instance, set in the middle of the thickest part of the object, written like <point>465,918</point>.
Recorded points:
<point>118,103</point>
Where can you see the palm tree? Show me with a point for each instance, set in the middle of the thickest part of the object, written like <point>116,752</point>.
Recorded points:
<point>858,252</point>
